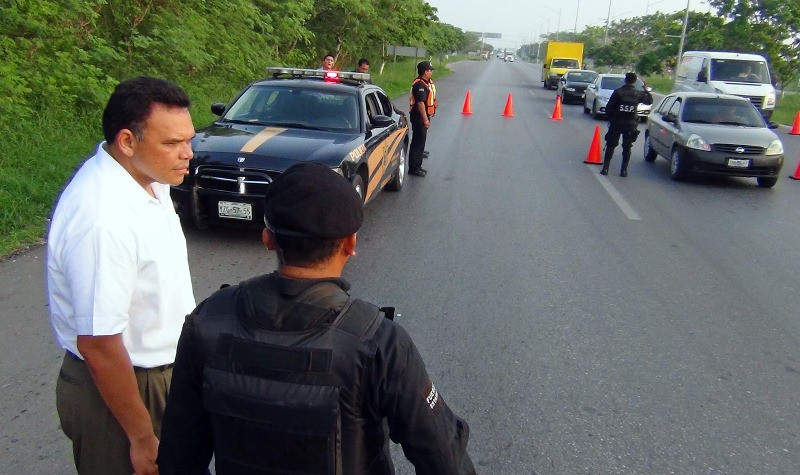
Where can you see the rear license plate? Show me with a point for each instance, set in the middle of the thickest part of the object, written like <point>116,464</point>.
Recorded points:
<point>233,210</point>
<point>738,163</point>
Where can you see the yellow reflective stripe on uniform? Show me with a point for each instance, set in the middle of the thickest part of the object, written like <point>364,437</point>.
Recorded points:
<point>261,137</point>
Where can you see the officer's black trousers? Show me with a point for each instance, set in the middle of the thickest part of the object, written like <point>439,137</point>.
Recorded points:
<point>418,137</point>
<point>615,130</point>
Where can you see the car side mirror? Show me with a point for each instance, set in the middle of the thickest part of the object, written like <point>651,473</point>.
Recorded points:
<point>772,125</point>
<point>591,86</point>
<point>649,89</point>
<point>218,108</point>
<point>701,77</point>
<point>381,121</point>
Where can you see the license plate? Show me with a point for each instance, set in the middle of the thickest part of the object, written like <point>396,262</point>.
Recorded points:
<point>233,210</point>
<point>738,163</point>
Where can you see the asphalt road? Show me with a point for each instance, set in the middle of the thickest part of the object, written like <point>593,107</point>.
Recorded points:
<point>581,324</point>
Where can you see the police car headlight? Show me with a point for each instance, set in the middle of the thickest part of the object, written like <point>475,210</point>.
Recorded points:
<point>775,148</point>
<point>769,101</point>
<point>698,143</point>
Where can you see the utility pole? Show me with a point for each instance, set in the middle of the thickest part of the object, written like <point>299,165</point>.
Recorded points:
<point>683,38</point>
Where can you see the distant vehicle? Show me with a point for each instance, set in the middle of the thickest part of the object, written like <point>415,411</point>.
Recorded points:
<point>744,75</point>
<point>335,118</point>
<point>599,92</point>
<point>718,134</point>
<point>558,57</point>
<point>509,57</point>
<point>572,85</point>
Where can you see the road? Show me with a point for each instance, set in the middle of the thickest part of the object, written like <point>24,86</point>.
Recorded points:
<point>581,324</point>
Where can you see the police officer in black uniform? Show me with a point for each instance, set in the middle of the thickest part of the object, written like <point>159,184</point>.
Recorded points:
<point>621,112</point>
<point>423,106</point>
<point>286,373</point>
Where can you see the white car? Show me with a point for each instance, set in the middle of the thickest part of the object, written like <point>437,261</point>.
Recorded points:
<point>599,92</point>
<point>510,57</point>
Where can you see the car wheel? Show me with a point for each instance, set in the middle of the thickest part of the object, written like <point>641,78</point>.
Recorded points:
<point>677,169</point>
<point>649,154</point>
<point>358,185</point>
<point>767,181</point>
<point>595,114</point>
<point>396,183</point>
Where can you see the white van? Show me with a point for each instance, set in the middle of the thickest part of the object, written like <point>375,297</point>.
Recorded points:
<point>739,74</point>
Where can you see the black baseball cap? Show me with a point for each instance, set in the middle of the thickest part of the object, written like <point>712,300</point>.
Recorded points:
<point>311,200</point>
<point>423,66</point>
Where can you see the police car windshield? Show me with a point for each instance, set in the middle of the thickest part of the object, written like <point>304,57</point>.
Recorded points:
<point>295,107</point>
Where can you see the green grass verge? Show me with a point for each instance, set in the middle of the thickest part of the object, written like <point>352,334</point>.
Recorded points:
<point>40,155</point>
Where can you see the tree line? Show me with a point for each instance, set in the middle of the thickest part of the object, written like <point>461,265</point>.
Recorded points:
<point>69,54</point>
<point>649,44</point>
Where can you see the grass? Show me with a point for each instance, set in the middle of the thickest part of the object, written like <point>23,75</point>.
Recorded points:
<point>41,154</point>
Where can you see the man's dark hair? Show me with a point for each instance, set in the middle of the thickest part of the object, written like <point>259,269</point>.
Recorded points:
<point>329,54</point>
<point>131,102</point>
<point>363,61</point>
<point>630,78</point>
<point>304,251</point>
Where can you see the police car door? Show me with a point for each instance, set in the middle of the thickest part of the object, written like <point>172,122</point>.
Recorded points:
<point>378,143</point>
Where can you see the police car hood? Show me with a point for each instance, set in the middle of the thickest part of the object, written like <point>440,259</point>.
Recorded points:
<point>270,148</point>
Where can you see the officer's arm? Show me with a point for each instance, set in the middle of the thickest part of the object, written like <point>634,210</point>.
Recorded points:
<point>612,106</point>
<point>433,438</point>
<point>186,439</point>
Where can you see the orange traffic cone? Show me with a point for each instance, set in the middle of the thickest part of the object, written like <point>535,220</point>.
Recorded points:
<point>467,109</point>
<point>796,127</point>
<point>796,175</point>
<point>593,158</point>
<point>557,109</point>
<point>509,110</point>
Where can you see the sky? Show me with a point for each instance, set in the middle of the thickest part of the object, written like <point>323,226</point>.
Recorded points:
<point>521,21</point>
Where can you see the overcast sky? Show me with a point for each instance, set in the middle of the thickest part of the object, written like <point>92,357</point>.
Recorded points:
<point>521,21</point>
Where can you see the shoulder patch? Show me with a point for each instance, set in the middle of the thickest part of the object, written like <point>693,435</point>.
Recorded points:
<point>432,397</point>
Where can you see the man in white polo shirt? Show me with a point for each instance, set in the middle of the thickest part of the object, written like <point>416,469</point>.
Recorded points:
<point>118,279</point>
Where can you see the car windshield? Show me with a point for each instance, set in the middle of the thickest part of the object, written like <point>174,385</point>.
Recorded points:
<point>295,107</point>
<point>736,70</point>
<point>566,63</point>
<point>721,111</point>
<point>583,76</point>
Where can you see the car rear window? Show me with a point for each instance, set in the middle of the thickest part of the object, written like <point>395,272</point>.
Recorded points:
<point>582,77</point>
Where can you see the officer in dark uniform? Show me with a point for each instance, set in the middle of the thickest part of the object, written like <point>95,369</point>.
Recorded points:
<point>286,373</point>
<point>423,106</point>
<point>621,112</point>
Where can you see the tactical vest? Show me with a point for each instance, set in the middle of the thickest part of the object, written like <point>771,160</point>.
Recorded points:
<point>629,100</point>
<point>279,401</point>
<point>430,103</point>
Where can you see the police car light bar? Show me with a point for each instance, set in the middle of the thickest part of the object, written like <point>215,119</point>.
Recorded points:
<point>276,71</point>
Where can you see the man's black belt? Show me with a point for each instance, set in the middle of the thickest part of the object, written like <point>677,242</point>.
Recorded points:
<point>164,367</point>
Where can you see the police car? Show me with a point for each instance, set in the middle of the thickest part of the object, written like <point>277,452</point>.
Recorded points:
<point>294,115</point>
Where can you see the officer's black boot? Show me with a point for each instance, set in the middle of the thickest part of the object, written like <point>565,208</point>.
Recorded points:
<point>606,162</point>
<point>624,170</point>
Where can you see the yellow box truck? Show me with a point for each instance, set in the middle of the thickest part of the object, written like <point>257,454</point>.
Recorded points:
<point>558,57</point>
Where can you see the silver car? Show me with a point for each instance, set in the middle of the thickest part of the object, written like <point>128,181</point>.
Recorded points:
<point>599,92</point>
<point>700,132</point>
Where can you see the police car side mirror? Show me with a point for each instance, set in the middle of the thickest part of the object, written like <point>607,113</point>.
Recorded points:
<point>381,121</point>
<point>218,108</point>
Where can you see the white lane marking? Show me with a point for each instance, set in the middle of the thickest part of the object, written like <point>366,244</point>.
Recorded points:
<point>627,209</point>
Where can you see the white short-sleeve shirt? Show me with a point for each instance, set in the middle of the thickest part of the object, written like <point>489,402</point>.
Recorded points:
<point>117,263</point>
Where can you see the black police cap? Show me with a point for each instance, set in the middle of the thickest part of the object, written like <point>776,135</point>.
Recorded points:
<point>311,200</point>
<point>423,66</point>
